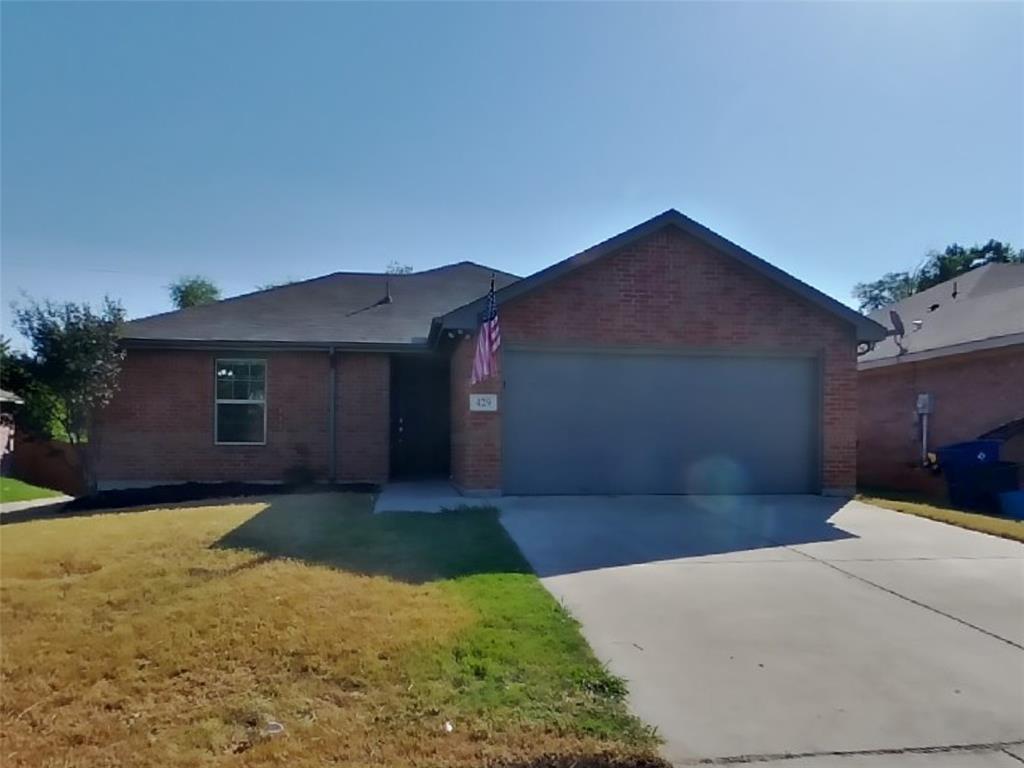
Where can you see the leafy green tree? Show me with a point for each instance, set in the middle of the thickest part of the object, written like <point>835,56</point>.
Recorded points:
<point>193,290</point>
<point>938,267</point>
<point>890,288</point>
<point>40,413</point>
<point>955,260</point>
<point>77,358</point>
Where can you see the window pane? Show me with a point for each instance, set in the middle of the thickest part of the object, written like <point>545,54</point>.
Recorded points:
<point>229,371</point>
<point>240,380</point>
<point>239,423</point>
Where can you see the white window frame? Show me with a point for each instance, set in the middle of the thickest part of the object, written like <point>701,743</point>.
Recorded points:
<point>217,401</point>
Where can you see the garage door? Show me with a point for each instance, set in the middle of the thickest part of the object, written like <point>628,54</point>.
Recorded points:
<point>585,422</point>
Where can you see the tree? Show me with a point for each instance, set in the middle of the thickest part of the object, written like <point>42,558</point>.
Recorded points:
<point>77,357</point>
<point>40,413</point>
<point>938,267</point>
<point>955,260</point>
<point>890,288</point>
<point>397,268</point>
<point>193,290</point>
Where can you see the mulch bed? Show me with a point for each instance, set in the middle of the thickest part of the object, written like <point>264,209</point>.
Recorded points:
<point>170,494</point>
<point>160,495</point>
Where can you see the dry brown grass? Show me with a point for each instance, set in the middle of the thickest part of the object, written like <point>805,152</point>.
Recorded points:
<point>995,526</point>
<point>128,639</point>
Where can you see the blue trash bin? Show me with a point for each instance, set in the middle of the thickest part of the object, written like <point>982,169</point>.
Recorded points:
<point>974,474</point>
<point>957,459</point>
<point>979,486</point>
<point>969,452</point>
<point>1012,504</point>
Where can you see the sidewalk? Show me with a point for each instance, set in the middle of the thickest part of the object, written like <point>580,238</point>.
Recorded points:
<point>50,501</point>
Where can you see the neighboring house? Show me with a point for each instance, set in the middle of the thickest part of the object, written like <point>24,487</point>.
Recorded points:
<point>664,360</point>
<point>963,346</point>
<point>7,399</point>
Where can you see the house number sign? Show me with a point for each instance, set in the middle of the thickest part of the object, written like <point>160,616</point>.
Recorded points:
<point>483,402</point>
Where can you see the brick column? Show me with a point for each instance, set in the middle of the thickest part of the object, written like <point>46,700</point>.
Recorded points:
<point>476,435</point>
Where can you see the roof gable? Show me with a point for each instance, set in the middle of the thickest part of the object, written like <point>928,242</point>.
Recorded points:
<point>465,317</point>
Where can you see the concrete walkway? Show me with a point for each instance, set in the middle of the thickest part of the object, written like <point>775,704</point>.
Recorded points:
<point>428,496</point>
<point>765,629</point>
<point>51,501</point>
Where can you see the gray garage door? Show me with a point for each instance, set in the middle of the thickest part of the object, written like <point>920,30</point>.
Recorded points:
<point>584,422</point>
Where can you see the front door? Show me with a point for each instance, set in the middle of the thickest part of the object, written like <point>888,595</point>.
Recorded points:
<point>420,408</point>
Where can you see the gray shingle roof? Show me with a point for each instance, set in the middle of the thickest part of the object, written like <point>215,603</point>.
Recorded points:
<point>337,309</point>
<point>6,396</point>
<point>347,308</point>
<point>988,310</point>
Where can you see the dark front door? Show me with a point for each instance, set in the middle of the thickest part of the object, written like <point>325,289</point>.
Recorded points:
<point>420,408</point>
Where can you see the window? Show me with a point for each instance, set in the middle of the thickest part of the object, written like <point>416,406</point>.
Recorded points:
<point>240,407</point>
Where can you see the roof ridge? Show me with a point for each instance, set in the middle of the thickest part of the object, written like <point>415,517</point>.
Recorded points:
<point>329,275</point>
<point>226,299</point>
<point>487,267</point>
<point>985,280</point>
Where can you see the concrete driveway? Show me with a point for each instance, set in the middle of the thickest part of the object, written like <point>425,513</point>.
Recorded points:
<point>759,629</point>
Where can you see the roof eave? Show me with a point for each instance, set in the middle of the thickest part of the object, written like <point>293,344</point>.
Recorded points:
<point>272,346</point>
<point>964,348</point>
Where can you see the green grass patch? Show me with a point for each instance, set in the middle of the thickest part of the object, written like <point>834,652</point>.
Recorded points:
<point>995,526</point>
<point>522,658</point>
<point>16,490</point>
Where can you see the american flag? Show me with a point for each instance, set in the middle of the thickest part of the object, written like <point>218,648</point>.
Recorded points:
<point>488,340</point>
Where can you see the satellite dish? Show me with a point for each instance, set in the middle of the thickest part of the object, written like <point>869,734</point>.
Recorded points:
<point>897,323</point>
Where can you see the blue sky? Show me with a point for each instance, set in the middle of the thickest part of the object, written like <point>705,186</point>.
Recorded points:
<point>258,142</point>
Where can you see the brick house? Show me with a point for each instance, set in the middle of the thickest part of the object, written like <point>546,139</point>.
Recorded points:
<point>7,400</point>
<point>963,347</point>
<point>664,360</point>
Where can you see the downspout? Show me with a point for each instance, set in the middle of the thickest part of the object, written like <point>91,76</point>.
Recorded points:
<point>332,425</point>
<point>924,439</point>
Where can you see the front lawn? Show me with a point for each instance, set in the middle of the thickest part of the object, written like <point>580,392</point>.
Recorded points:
<point>16,490</point>
<point>174,637</point>
<point>996,526</point>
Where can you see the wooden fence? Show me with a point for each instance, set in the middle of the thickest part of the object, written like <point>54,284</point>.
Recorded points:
<point>48,463</point>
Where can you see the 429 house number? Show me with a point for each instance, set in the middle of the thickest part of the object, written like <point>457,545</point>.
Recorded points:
<point>483,402</point>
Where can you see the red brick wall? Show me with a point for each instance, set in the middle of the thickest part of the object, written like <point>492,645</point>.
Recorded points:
<point>476,435</point>
<point>672,291</point>
<point>159,427</point>
<point>973,394</point>
<point>364,417</point>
